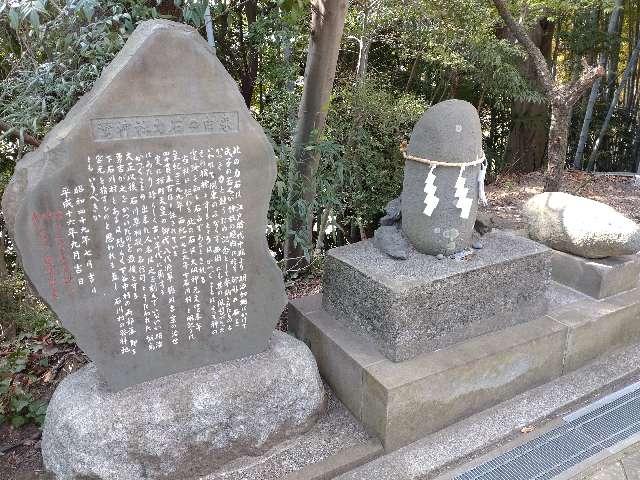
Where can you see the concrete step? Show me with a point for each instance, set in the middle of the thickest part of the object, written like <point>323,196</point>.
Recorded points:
<point>444,454</point>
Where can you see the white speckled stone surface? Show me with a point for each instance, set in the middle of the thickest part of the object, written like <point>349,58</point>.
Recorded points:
<point>421,304</point>
<point>185,425</point>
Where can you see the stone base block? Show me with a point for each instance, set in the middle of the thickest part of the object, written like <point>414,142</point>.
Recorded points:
<point>402,402</point>
<point>185,425</point>
<point>421,304</point>
<point>598,278</point>
<point>437,456</point>
<point>595,327</point>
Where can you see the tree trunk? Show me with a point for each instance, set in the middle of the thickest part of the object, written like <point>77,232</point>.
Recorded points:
<point>530,121</point>
<point>327,24</point>
<point>631,66</point>
<point>363,58</point>
<point>364,43</point>
<point>629,90</point>
<point>635,146</point>
<point>556,50</point>
<point>614,59</point>
<point>4,272</point>
<point>414,72</point>
<point>561,96</point>
<point>322,230</point>
<point>291,167</point>
<point>166,7</point>
<point>7,130</point>
<point>557,152</point>
<point>595,90</point>
<point>249,72</point>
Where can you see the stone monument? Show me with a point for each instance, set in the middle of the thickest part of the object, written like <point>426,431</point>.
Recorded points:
<point>443,171</point>
<point>418,291</point>
<point>141,221</point>
<point>469,294</point>
<point>142,224</point>
<point>443,183</point>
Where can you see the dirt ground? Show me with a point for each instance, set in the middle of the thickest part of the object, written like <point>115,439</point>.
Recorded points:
<point>509,193</point>
<point>20,457</point>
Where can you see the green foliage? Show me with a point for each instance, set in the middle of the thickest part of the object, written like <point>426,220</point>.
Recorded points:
<point>422,52</point>
<point>27,359</point>
<point>61,58</point>
<point>360,158</point>
<point>370,121</point>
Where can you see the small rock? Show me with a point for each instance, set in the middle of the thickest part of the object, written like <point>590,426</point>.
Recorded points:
<point>463,254</point>
<point>440,256</point>
<point>390,240</point>
<point>581,226</point>
<point>484,224</point>
<point>394,208</point>
<point>388,221</point>
<point>477,245</point>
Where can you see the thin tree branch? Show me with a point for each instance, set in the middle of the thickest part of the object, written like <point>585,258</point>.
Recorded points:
<point>14,133</point>
<point>574,91</point>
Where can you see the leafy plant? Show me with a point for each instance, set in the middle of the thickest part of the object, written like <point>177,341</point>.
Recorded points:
<point>31,360</point>
<point>60,59</point>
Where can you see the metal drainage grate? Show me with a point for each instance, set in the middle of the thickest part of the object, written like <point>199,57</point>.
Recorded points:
<point>587,432</point>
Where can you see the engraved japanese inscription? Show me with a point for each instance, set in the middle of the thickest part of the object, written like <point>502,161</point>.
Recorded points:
<point>107,129</point>
<point>145,233</point>
<point>136,201</point>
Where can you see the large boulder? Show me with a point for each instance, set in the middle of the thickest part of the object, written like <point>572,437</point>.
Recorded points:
<point>581,226</point>
<point>185,425</point>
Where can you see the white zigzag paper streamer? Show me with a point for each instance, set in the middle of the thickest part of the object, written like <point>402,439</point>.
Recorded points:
<point>464,202</point>
<point>431,201</point>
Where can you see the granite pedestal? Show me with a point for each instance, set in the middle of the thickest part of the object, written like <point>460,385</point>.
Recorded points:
<point>598,278</point>
<point>423,304</point>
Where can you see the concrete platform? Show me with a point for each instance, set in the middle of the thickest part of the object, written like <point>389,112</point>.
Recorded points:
<point>403,402</point>
<point>598,278</point>
<point>474,440</point>
<point>422,304</point>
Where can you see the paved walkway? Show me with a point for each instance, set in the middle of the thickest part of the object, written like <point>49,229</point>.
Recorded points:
<point>623,466</point>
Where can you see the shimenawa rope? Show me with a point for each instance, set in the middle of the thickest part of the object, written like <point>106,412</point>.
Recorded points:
<point>481,160</point>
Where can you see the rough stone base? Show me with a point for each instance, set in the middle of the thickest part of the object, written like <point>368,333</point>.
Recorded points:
<point>185,425</point>
<point>598,278</point>
<point>422,304</point>
<point>403,402</point>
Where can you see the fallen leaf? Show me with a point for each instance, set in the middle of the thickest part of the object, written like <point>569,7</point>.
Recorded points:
<point>47,377</point>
